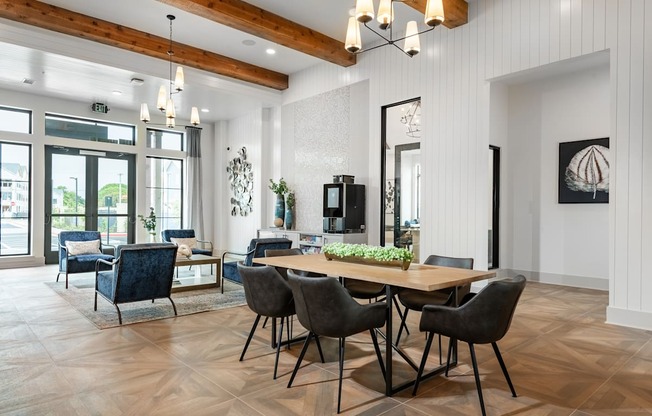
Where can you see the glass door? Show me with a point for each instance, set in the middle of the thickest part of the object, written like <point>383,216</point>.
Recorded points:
<point>88,190</point>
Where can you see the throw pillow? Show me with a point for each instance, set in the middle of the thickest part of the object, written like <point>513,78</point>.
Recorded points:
<point>190,242</point>
<point>183,252</point>
<point>76,248</point>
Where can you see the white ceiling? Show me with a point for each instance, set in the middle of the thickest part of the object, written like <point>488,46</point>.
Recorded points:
<point>72,68</point>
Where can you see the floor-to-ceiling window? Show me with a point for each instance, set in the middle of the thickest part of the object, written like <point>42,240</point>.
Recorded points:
<point>15,191</point>
<point>165,191</point>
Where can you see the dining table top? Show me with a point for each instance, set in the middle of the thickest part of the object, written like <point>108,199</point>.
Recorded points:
<point>418,276</point>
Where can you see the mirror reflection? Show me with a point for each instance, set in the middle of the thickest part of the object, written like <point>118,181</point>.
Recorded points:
<point>401,171</point>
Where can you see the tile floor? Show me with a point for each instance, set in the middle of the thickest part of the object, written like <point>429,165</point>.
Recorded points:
<point>562,357</point>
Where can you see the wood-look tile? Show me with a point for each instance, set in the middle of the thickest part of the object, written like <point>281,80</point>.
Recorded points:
<point>69,406</point>
<point>31,384</point>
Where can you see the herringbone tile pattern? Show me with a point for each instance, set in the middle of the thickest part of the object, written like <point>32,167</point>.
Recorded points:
<point>563,359</point>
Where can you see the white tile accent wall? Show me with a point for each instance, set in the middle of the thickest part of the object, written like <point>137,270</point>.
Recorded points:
<point>502,38</point>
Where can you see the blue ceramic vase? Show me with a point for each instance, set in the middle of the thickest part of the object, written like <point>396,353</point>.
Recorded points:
<point>279,210</point>
<point>288,219</point>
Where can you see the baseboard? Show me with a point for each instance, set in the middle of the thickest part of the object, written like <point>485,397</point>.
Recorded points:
<point>626,317</point>
<point>20,262</point>
<point>559,279</point>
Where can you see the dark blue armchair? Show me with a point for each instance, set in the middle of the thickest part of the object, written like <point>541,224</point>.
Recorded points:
<point>257,247</point>
<point>140,272</point>
<point>81,254</point>
<point>206,246</point>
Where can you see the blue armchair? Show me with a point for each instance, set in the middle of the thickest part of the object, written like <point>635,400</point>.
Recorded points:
<point>206,246</point>
<point>257,247</point>
<point>80,255</point>
<point>140,272</point>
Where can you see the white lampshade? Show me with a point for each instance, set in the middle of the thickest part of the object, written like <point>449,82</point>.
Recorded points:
<point>385,13</point>
<point>144,113</point>
<point>169,122</point>
<point>178,79</point>
<point>194,116</point>
<point>364,10</point>
<point>434,15</point>
<point>169,109</point>
<point>412,45</point>
<point>162,96</point>
<point>353,42</point>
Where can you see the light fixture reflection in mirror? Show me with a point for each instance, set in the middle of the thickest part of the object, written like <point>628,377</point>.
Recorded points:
<point>401,169</point>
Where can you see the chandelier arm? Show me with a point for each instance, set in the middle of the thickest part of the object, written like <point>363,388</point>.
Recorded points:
<point>416,34</point>
<point>377,33</point>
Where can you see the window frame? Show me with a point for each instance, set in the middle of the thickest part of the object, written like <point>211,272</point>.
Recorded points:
<point>30,127</point>
<point>95,122</point>
<point>182,189</point>
<point>29,197</point>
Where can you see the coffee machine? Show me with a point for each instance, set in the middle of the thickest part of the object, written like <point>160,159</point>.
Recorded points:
<point>344,206</point>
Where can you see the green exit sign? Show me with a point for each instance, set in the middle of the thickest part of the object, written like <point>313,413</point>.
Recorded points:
<point>99,108</point>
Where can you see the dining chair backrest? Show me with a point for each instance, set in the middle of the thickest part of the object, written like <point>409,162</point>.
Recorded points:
<point>266,291</point>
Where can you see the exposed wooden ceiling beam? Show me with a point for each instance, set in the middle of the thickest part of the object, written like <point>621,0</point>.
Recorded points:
<point>455,11</point>
<point>54,18</point>
<point>266,25</point>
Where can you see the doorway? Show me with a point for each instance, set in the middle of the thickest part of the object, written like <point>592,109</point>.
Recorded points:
<point>88,190</point>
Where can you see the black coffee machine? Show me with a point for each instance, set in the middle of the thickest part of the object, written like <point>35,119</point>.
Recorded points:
<point>344,206</point>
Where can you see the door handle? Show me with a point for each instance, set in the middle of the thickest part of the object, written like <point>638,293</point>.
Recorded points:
<point>48,218</point>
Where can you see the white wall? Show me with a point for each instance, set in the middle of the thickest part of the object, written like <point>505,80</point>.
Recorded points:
<point>39,106</point>
<point>451,73</point>
<point>560,243</point>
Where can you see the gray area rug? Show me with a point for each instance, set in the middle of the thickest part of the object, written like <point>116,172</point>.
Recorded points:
<point>80,295</point>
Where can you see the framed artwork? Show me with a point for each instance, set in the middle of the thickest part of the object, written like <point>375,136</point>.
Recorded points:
<point>584,171</point>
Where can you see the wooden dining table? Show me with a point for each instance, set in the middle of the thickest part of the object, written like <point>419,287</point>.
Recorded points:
<point>418,276</point>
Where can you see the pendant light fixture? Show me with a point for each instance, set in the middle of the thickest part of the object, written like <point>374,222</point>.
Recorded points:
<point>364,13</point>
<point>165,103</point>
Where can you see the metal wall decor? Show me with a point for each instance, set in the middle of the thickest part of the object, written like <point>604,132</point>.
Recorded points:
<point>241,178</point>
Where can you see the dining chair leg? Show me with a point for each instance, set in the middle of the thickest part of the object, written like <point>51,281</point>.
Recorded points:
<point>374,338</point>
<point>439,349</point>
<point>289,330</point>
<point>504,368</point>
<point>339,389</point>
<point>265,322</point>
<point>321,354</point>
<point>422,366</point>
<point>403,325</point>
<point>451,341</point>
<point>477,378</point>
<point>251,334</point>
<point>301,355</point>
<point>278,347</point>
<point>400,313</point>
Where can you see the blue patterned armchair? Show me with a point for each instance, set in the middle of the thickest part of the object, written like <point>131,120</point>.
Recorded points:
<point>257,247</point>
<point>206,246</point>
<point>78,252</point>
<point>140,272</point>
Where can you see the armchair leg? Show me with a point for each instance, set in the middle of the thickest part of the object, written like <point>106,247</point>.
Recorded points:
<point>66,279</point>
<point>477,378</point>
<point>58,277</point>
<point>95,304</point>
<point>173,305</point>
<point>300,359</point>
<point>119,314</point>
<point>251,334</point>
<point>422,366</point>
<point>504,368</point>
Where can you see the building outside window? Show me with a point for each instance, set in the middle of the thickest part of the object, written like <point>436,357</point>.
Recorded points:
<point>15,199</point>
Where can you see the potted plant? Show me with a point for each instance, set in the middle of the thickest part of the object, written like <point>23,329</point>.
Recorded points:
<point>149,222</point>
<point>280,189</point>
<point>362,253</point>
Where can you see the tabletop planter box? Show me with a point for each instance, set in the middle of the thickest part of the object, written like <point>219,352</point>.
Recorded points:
<point>372,255</point>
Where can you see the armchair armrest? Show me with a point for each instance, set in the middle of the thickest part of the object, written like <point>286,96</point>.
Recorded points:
<point>209,243</point>
<point>111,246</point>
<point>233,253</point>
<point>100,261</point>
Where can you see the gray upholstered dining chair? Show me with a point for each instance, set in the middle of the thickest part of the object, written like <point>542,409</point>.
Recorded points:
<point>326,309</point>
<point>140,272</point>
<point>416,299</point>
<point>268,294</point>
<point>483,319</point>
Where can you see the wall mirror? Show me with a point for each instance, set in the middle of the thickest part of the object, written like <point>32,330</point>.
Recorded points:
<point>401,175</point>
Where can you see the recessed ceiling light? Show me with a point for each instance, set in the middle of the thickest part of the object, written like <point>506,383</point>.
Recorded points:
<point>205,110</point>
<point>249,42</point>
<point>270,51</point>
<point>116,92</point>
<point>137,81</point>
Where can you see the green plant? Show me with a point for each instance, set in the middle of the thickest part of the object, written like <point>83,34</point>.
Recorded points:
<point>289,200</point>
<point>368,252</point>
<point>149,222</point>
<point>280,188</point>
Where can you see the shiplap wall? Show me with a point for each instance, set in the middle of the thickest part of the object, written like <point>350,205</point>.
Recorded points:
<point>504,37</point>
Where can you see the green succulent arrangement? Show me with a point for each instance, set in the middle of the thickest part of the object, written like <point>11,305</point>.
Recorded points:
<point>149,222</point>
<point>368,252</point>
<point>289,200</point>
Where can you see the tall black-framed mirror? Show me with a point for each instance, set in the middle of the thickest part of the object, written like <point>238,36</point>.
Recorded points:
<point>401,175</point>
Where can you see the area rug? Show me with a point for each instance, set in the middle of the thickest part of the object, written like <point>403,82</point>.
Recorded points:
<point>80,296</point>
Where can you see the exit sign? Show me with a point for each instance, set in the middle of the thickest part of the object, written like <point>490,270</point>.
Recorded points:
<point>99,108</point>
